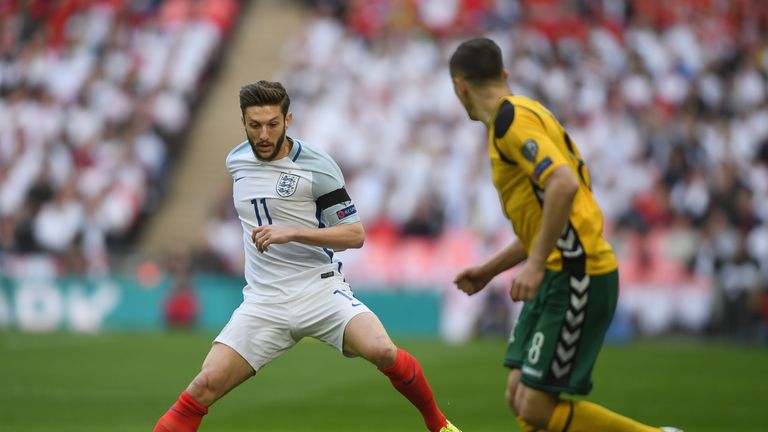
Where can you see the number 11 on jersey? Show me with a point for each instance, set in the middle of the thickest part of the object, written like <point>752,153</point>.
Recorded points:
<point>263,202</point>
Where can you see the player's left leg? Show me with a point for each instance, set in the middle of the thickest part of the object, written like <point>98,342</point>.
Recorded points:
<point>366,337</point>
<point>558,354</point>
<point>551,413</point>
<point>540,411</point>
<point>333,315</point>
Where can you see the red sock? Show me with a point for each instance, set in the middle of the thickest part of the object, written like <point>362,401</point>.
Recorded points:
<point>184,416</point>
<point>407,377</point>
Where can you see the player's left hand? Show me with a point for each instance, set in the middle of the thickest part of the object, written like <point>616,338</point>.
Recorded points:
<point>526,282</point>
<point>266,235</point>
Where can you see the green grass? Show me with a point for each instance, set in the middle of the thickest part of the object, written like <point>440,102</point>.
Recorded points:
<point>124,382</point>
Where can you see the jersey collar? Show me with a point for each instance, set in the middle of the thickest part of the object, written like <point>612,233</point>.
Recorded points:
<point>295,151</point>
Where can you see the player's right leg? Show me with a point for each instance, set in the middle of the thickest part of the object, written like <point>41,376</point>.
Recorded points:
<point>513,383</point>
<point>254,336</point>
<point>223,370</point>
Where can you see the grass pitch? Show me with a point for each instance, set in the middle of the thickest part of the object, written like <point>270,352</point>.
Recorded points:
<point>124,382</point>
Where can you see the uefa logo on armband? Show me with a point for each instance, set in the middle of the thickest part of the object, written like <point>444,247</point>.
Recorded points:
<point>286,184</point>
<point>347,211</point>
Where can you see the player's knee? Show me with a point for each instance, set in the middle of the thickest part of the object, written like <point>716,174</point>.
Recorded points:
<point>206,387</point>
<point>531,409</point>
<point>527,411</point>
<point>382,355</point>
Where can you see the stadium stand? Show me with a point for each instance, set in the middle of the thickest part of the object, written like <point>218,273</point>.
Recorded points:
<point>96,95</point>
<point>668,102</point>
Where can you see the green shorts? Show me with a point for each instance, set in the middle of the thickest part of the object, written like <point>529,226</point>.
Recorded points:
<point>559,333</point>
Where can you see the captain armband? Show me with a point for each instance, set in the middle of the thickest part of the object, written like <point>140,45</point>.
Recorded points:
<point>333,198</point>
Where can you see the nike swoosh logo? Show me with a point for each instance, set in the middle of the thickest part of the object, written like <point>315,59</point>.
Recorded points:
<point>178,412</point>
<point>239,178</point>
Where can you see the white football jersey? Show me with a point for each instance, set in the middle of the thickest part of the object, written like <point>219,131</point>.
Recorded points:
<point>285,192</point>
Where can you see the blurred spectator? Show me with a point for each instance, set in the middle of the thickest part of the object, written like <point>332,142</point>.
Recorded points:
<point>761,306</point>
<point>181,305</point>
<point>739,281</point>
<point>426,220</point>
<point>58,222</point>
<point>494,320</point>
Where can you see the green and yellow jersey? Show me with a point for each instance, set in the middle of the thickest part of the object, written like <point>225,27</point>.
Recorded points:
<point>526,143</point>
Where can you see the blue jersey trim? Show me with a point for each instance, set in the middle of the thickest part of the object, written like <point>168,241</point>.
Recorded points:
<point>322,225</point>
<point>298,152</point>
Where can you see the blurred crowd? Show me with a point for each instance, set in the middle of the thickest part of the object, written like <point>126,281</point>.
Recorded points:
<point>94,99</point>
<point>668,102</point>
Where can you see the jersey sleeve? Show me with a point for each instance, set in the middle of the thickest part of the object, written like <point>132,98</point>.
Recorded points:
<point>334,205</point>
<point>521,138</point>
<point>233,158</point>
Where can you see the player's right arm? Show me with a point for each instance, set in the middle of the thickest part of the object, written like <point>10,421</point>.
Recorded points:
<point>338,237</point>
<point>475,278</point>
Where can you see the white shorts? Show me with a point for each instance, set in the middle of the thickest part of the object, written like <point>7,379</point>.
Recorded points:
<point>262,332</point>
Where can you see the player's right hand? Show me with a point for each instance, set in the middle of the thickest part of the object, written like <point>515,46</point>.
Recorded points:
<point>266,235</point>
<point>471,279</point>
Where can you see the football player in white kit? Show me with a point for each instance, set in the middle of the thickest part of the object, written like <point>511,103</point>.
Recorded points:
<point>295,213</point>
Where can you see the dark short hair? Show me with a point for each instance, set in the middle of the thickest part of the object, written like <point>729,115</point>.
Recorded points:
<point>478,61</point>
<point>264,93</point>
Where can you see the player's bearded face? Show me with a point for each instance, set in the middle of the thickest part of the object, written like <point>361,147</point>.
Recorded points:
<point>264,149</point>
<point>265,127</point>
